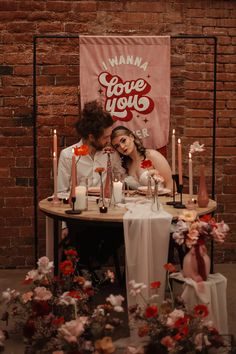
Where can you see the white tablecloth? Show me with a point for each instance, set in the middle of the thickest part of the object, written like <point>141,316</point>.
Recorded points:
<point>212,293</point>
<point>147,235</point>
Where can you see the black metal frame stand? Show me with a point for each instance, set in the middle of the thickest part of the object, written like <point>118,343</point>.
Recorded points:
<point>35,111</point>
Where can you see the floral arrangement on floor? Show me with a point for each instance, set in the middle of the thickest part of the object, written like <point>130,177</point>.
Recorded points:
<point>171,330</point>
<point>57,314</point>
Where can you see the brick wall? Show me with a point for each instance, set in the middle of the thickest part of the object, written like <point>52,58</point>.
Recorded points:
<point>58,97</point>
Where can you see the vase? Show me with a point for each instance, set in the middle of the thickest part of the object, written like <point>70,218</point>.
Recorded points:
<point>196,263</point>
<point>109,179</point>
<point>149,188</point>
<point>155,200</point>
<point>202,196</point>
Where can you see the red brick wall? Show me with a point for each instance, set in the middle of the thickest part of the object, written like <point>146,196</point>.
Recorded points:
<point>58,96</point>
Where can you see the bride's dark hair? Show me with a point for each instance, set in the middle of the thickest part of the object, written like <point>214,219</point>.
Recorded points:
<point>121,130</point>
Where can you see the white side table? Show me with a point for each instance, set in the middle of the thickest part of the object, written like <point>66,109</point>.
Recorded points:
<point>211,293</point>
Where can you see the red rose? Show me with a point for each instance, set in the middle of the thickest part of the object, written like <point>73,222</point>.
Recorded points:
<point>71,252</point>
<point>155,284</point>
<point>75,294</point>
<point>201,311</point>
<point>146,164</point>
<point>151,311</point>
<point>66,267</point>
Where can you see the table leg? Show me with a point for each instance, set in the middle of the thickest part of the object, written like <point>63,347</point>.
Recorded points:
<point>49,238</point>
<point>55,245</point>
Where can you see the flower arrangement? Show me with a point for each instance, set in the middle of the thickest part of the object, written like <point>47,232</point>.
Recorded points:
<point>171,330</point>
<point>192,233</point>
<point>57,315</point>
<point>152,177</point>
<point>151,171</point>
<point>196,147</point>
<point>190,230</point>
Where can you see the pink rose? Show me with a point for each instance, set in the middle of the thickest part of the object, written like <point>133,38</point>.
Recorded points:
<point>73,329</point>
<point>27,296</point>
<point>42,294</point>
<point>44,265</point>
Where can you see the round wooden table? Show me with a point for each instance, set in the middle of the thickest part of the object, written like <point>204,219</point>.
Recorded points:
<point>113,218</point>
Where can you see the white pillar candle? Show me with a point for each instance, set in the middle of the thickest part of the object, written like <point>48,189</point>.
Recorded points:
<point>117,191</point>
<point>81,198</point>
<point>190,175</point>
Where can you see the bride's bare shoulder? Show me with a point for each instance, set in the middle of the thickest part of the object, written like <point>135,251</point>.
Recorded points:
<point>152,153</point>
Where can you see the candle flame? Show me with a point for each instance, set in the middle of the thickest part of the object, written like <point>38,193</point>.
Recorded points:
<point>173,131</point>
<point>54,154</point>
<point>73,151</point>
<point>179,141</point>
<point>190,155</point>
<point>54,131</point>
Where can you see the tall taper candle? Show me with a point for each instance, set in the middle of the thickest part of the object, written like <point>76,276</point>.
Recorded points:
<point>190,175</point>
<point>55,174</point>
<point>73,175</point>
<point>173,152</point>
<point>180,168</point>
<point>55,142</point>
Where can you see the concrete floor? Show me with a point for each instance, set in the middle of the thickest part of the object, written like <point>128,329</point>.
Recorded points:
<point>13,279</point>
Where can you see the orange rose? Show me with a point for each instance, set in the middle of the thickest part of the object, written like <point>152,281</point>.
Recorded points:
<point>170,267</point>
<point>100,169</point>
<point>81,150</point>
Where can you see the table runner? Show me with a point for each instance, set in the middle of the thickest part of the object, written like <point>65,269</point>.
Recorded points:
<point>146,235</point>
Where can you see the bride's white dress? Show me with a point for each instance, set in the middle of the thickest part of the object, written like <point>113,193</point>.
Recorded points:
<point>143,180</point>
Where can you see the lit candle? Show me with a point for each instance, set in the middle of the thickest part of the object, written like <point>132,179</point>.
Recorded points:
<point>190,174</point>
<point>180,162</point>
<point>81,200</point>
<point>117,191</point>
<point>73,175</point>
<point>55,142</point>
<point>55,174</point>
<point>173,152</point>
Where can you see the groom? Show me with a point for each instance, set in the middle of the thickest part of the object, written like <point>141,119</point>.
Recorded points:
<point>94,129</point>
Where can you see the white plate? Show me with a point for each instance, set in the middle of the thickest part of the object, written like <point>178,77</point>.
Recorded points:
<point>161,191</point>
<point>94,190</point>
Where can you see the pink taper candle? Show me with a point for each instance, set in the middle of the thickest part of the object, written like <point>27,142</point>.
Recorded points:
<point>173,152</point>
<point>180,162</point>
<point>55,142</point>
<point>55,174</point>
<point>190,175</point>
<point>73,175</point>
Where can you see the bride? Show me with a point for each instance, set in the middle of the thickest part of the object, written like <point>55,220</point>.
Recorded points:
<point>132,152</point>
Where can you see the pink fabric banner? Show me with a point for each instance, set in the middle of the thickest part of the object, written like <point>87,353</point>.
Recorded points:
<point>131,77</point>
